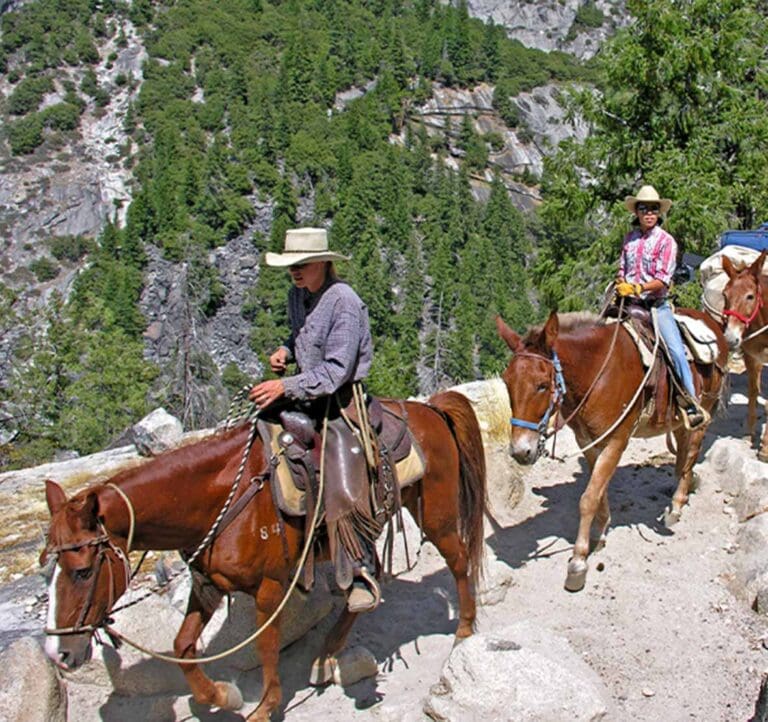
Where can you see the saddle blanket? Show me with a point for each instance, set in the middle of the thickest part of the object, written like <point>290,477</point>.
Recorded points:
<point>408,470</point>
<point>700,341</point>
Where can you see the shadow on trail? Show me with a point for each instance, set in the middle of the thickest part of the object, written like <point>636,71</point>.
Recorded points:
<point>638,495</point>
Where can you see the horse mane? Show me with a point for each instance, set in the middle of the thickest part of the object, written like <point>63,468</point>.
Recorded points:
<point>570,321</point>
<point>181,461</point>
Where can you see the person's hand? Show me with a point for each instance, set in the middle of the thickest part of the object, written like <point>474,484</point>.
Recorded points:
<point>267,392</point>
<point>628,289</point>
<point>279,360</point>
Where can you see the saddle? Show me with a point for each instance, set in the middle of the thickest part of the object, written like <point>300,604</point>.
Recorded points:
<point>700,344</point>
<point>360,493</point>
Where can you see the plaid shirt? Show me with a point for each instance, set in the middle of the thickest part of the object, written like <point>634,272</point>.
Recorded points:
<point>647,257</point>
<point>330,340</point>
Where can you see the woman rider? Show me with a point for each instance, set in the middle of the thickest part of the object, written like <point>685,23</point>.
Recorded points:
<point>647,262</point>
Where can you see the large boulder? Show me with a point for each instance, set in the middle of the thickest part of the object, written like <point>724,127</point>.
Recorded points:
<point>518,673</point>
<point>30,691</point>
<point>157,432</point>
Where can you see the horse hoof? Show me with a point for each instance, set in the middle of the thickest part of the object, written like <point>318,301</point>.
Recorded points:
<point>762,455</point>
<point>322,670</point>
<point>577,576</point>
<point>231,695</point>
<point>671,517</point>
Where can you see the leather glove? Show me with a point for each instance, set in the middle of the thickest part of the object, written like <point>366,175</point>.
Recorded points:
<point>628,289</point>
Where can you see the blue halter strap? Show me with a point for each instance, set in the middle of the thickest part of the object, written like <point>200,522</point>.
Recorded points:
<point>558,393</point>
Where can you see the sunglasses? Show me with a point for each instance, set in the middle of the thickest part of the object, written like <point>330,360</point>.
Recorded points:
<point>646,209</point>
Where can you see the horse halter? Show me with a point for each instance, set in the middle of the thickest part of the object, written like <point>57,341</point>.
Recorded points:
<point>746,320</point>
<point>557,393</point>
<point>104,544</point>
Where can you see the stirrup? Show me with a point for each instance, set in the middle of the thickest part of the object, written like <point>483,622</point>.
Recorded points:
<point>364,599</point>
<point>695,423</point>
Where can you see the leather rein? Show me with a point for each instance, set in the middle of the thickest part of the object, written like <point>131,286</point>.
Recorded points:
<point>104,545</point>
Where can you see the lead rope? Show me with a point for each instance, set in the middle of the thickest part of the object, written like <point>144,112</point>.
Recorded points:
<point>629,406</point>
<point>307,546</point>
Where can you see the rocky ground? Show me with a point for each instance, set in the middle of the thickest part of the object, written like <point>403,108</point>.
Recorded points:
<point>657,624</point>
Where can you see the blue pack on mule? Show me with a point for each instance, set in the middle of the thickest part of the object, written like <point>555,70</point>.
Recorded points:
<point>757,239</point>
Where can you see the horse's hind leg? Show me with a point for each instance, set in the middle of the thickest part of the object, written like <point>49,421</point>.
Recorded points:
<point>441,511</point>
<point>688,446</point>
<point>204,690</point>
<point>322,667</point>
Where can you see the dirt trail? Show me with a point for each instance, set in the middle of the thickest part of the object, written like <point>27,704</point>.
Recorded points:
<point>656,621</point>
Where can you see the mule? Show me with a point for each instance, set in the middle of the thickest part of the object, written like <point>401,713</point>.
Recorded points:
<point>589,372</point>
<point>745,320</point>
<point>171,502</point>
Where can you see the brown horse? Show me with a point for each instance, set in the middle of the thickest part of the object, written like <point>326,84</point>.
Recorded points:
<point>174,500</point>
<point>745,319</point>
<point>589,373</point>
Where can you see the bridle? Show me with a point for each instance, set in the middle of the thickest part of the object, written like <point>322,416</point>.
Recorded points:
<point>557,394</point>
<point>104,545</point>
<point>747,320</point>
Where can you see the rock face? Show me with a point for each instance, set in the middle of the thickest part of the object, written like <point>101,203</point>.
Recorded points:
<point>30,691</point>
<point>551,25</point>
<point>731,467</point>
<point>542,118</point>
<point>518,673</point>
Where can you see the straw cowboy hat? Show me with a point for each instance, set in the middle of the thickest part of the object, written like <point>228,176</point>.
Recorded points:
<point>304,245</point>
<point>647,194</point>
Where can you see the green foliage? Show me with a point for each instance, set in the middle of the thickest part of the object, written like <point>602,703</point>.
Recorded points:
<point>28,94</point>
<point>682,107</point>
<point>44,268</point>
<point>70,248</point>
<point>589,15</point>
<point>62,116</point>
<point>75,384</point>
<point>26,134</point>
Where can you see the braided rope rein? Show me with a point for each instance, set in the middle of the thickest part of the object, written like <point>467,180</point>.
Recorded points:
<point>300,565</point>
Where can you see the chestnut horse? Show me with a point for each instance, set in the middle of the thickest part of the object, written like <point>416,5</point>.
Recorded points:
<point>745,319</point>
<point>172,501</point>
<point>589,373</point>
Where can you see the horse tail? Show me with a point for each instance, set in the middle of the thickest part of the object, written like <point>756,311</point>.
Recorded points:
<point>473,498</point>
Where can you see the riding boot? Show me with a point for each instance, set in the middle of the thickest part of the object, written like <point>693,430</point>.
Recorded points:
<point>694,415</point>
<point>365,593</point>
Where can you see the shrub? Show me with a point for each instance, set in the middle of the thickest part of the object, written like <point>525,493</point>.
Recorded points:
<point>62,116</point>
<point>26,134</point>
<point>28,94</point>
<point>71,248</point>
<point>44,268</point>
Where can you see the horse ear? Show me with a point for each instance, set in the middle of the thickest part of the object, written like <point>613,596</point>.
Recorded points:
<point>507,334</point>
<point>54,496</point>
<point>551,329</point>
<point>757,267</point>
<point>728,267</point>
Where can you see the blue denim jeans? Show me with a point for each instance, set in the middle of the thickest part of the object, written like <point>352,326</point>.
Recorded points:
<point>674,342</point>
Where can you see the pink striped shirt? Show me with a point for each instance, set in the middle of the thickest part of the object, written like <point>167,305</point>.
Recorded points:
<point>647,257</point>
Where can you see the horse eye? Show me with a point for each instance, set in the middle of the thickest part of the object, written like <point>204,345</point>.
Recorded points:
<point>542,387</point>
<point>750,296</point>
<point>82,575</point>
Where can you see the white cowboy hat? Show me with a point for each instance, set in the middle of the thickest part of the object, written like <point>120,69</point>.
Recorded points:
<point>304,245</point>
<point>647,194</point>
